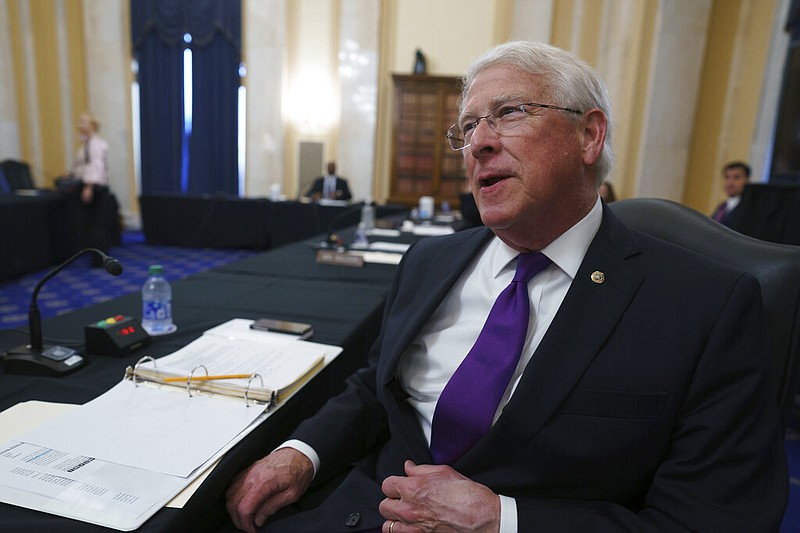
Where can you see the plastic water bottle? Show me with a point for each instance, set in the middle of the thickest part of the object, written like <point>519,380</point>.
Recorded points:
<point>426,207</point>
<point>360,240</point>
<point>157,303</point>
<point>368,216</point>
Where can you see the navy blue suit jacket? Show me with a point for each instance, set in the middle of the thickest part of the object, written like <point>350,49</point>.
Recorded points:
<point>647,405</point>
<point>730,218</point>
<point>342,188</point>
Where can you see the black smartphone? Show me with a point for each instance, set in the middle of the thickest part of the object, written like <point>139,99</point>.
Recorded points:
<point>304,331</point>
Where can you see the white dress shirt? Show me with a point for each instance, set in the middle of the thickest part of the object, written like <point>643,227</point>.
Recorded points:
<point>91,166</point>
<point>435,354</point>
<point>329,186</point>
<point>732,202</point>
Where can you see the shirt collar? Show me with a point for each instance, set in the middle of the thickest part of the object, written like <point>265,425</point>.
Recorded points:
<point>566,252</point>
<point>732,202</point>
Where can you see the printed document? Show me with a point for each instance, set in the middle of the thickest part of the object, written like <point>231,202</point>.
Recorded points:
<point>118,459</point>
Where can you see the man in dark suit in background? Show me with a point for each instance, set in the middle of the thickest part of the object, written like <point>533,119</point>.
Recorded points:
<point>330,186</point>
<point>637,397</point>
<point>735,176</point>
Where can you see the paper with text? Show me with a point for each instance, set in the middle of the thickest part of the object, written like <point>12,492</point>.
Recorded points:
<point>81,487</point>
<point>163,429</point>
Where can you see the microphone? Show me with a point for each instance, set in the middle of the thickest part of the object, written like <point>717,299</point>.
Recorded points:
<point>35,358</point>
<point>333,240</point>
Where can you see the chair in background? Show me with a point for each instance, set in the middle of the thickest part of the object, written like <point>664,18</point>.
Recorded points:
<point>18,174</point>
<point>776,266</point>
<point>5,188</point>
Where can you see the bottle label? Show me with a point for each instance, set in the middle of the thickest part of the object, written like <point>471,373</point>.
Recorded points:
<point>157,310</point>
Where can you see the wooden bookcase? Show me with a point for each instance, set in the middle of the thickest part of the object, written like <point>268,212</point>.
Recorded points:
<point>422,162</point>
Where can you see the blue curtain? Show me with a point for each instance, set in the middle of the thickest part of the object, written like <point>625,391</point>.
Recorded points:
<point>793,22</point>
<point>213,145</point>
<point>161,114</point>
<point>157,32</point>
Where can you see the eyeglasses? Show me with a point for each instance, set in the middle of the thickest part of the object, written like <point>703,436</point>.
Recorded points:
<point>502,120</point>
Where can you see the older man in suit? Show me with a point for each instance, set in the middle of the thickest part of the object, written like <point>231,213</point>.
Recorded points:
<point>551,371</point>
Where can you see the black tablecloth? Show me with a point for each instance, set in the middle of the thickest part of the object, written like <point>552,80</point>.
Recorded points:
<point>41,231</point>
<point>258,223</point>
<point>343,304</point>
<point>25,242</point>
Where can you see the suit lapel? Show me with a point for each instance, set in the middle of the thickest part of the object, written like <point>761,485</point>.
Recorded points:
<point>588,314</point>
<point>430,287</point>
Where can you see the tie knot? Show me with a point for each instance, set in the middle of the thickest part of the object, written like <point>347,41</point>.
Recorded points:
<point>530,264</point>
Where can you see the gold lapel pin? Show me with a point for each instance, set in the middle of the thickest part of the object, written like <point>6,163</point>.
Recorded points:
<point>598,277</point>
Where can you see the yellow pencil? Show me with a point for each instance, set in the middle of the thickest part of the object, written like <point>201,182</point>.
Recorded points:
<point>208,378</point>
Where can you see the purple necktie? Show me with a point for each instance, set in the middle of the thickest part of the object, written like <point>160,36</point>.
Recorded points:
<point>721,211</point>
<point>468,402</point>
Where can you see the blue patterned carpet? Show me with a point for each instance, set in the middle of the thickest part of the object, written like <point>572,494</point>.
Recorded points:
<point>78,285</point>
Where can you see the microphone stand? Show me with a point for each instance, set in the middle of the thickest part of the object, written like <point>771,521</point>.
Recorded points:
<point>332,240</point>
<point>36,358</point>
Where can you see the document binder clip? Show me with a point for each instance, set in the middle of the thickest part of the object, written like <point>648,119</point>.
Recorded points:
<point>189,378</point>
<point>247,388</point>
<point>144,359</point>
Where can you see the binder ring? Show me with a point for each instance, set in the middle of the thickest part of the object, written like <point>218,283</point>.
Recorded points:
<point>143,360</point>
<point>189,378</point>
<point>247,388</point>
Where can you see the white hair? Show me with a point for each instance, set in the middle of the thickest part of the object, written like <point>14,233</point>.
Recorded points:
<point>568,81</point>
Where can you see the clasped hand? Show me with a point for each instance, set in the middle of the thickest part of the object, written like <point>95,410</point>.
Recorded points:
<point>436,498</point>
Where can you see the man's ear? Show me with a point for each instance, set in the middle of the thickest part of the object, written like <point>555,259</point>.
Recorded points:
<point>594,135</point>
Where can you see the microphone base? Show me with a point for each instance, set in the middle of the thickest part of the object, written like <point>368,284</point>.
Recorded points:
<point>51,361</point>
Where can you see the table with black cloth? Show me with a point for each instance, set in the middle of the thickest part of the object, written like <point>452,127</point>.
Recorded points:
<point>44,229</point>
<point>256,223</point>
<point>344,304</point>
<point>25,243</point>
<point>769,212</point>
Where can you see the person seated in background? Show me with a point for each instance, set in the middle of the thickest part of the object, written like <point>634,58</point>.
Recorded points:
<point>330,186</point>
<point>735,176</point>
<point>553,370</point>
<point>606,192</point>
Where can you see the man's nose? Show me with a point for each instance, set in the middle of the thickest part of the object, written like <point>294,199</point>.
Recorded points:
<point>484,138</point>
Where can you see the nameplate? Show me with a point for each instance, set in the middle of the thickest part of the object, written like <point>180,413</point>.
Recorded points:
<point>331,257</point>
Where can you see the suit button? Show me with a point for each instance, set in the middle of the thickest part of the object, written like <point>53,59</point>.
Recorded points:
<point>352,520</point>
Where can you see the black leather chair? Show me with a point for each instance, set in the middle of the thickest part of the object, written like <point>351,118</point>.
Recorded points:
<point>776,266</point>
<point>18,174</point>
<point>5,188</point>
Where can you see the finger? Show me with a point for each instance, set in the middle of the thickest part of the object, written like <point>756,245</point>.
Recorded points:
<point>240,518</point>
<point>231,505</point>
<point>412,469</point>
<point>255,507</point>
<point>391,486</point>
<point>388,508</point>
<point>264,512</point>
<point>241,502</point>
